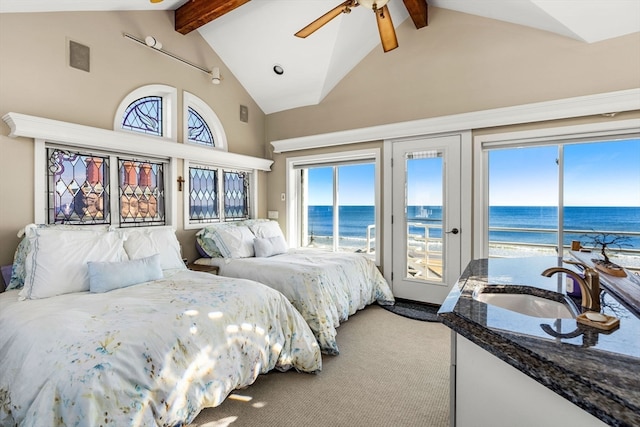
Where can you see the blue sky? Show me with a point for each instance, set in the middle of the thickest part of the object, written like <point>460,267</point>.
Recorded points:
<point>596,174</point>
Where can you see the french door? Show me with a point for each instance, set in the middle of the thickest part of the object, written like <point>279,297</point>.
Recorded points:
<point>426,217</point>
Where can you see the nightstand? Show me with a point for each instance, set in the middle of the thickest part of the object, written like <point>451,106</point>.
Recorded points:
<point>213,269</point>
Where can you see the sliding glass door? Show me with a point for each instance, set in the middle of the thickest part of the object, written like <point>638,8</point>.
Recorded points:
<point>543,197</point>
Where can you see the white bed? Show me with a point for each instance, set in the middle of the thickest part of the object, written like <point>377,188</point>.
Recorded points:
<point>325,287</point>
<point>151,353</point>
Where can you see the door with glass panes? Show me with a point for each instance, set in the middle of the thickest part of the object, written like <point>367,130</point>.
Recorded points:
<point>426,217</point>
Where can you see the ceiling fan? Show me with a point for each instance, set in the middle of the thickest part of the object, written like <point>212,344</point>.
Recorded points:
<point>379,7</point>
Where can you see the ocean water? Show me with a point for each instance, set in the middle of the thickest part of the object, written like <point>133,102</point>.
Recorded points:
<point>355,219</point>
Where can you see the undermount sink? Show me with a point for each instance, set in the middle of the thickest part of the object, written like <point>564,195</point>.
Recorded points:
<point>530,305</point>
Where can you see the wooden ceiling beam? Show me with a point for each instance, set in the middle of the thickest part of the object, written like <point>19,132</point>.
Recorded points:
<point>195,13</point>
<point>418,11</point>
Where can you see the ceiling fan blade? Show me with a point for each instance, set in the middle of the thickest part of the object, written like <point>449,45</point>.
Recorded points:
<point>385,27</point>
<point>344,7</point>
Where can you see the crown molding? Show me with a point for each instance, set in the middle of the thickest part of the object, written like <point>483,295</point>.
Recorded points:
<point>604,103</point>
<point>81,136</point>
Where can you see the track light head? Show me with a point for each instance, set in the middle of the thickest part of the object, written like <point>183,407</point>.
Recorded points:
<point>153,42</point>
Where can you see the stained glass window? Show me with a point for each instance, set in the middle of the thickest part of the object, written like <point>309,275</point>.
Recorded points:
<point>199,131</point>
<point>236,195</point>
<point>203,195</point>
<point>141,192</point>
<point>78,188</point>
<point>144,115</point>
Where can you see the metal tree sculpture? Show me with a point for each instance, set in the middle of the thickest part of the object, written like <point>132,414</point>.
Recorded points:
<point>605,240</point>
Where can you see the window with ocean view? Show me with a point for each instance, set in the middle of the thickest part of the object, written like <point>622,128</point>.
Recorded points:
<point>543,197</point>
<point>338,206</point>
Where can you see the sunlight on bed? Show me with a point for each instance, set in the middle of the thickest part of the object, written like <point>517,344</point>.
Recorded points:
<point>240,397</point>
<point>223,422</point>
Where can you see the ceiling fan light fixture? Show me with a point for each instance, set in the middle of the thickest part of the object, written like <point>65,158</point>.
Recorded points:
<point>379,4</point>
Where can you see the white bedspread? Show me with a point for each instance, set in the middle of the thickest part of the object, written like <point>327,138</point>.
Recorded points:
<point>326,287</point>
<point>150,354</point>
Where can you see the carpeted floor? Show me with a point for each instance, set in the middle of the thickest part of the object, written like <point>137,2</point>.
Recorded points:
<point>391,371</point>
<point>414,310</point>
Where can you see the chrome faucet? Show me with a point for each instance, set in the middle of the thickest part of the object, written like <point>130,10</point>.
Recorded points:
<point>589,284</point>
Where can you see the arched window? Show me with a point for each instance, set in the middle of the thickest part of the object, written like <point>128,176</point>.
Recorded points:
<point>144,115</point>
<point>199,131</point>
<point>150,110</point>
<point>202,125</point>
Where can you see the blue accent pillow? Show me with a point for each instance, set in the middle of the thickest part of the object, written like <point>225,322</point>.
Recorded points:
<point>107,276</point>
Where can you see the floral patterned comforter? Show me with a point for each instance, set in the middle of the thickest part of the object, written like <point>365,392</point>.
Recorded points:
<point>325,287</point>
<point>150,354</point>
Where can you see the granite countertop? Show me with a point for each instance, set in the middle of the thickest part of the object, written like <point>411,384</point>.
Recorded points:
<point>597,370</point>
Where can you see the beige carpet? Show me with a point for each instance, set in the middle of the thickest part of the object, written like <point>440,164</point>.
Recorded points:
<point>391,371</point>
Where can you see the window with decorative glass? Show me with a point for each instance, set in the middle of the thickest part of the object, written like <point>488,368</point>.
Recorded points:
<point>144,115</point>
<point>217,195</point>
<point>141,191</point>
<point>203,195</point>
<point>236,195</point>
<point>79,189</point>
<point>199,131</point>
<point>202,125</point>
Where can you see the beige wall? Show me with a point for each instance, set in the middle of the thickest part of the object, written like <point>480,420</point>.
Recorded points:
<point>462,63</point>
<point>459,63</point>
<point>35,79</point>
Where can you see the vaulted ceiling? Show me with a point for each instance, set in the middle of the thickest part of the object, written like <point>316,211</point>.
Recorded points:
<point>251,37</point>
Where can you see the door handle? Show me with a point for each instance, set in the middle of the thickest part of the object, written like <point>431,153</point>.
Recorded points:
<point>453,231</point>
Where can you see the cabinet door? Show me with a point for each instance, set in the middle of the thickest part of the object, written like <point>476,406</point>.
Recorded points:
<point>492,393</point>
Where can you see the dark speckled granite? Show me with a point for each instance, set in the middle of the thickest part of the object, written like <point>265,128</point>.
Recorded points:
<point>597,370</point>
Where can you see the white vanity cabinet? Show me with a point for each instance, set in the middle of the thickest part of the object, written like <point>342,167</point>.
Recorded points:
<point>487,392</point>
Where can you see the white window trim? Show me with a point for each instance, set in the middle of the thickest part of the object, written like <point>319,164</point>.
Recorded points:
<point>210,118</point>
<point>253,193</point>
<point>89,138</point>
<point>548,136</point>
<point>114,174</point>
<point>169,109</point>
<point>293,189</point>
<point>581,106</point>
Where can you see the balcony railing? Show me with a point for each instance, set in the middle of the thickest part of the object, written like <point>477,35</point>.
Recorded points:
<point>626,257</point>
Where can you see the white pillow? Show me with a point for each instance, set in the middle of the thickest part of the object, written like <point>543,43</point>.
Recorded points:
<point>266,229</point>
<point>57,260</point>
<point>234,242</point>
<point>107,276</point>
<point>269,246</point>
<point>147,241</point>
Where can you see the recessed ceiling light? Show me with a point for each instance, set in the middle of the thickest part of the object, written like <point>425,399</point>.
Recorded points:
<point>278,69</point>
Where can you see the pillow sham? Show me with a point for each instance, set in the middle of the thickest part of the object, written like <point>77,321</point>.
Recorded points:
<point>17,269</point>
<point>107,276</point>
<point>204,238</point>
<point>56,262</point>
<point>266,229</point>
<point>205,244</point>
<point>162,240</point>
<point>269,246</point>
<point>234,242</point>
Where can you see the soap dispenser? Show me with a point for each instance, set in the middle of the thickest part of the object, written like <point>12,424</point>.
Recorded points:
<point>573,289</point>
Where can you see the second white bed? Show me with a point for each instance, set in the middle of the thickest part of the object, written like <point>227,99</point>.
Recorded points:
<point>325,287</point>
